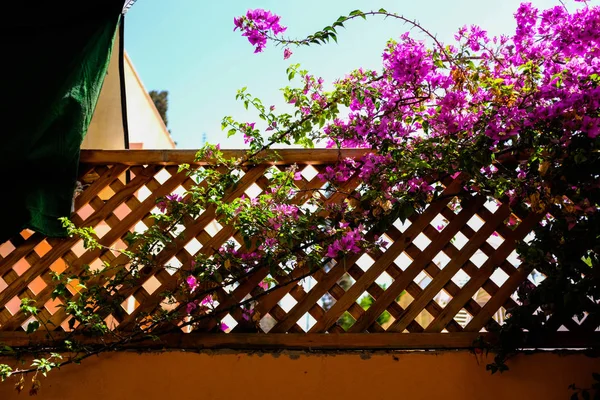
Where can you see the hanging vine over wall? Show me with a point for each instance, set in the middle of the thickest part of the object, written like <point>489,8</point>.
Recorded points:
<point>514,118</point>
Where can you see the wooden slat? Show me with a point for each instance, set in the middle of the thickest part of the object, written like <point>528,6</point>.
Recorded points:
<point>250,283</point>
<point>310,341</point>
<point>123,227</point>
<point>176,157</point>
<point>450,269</point>
<point>191,231</point>
<point>375,291</point>
<point>419,263</point>
<point>95,187</point>
<point>90,192</point>
<point>451,288</point>
<point>169,283</point>
<point>244,288</point>
<point>471,269</point>
<point>55,253</point>
<point>112,236</point>
<point>486,270</point>
<point>374,271</point>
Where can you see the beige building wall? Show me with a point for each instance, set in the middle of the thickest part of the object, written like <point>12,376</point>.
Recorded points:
<point>146,128</point>
<point>106,128</point>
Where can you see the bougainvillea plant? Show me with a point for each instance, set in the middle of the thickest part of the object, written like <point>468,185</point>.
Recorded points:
<point>516,117</point>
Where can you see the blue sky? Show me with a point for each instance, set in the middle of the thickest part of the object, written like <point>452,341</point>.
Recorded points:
<point>188,47</point>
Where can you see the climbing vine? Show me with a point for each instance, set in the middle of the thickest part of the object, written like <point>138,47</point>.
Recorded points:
<point>515,117</point>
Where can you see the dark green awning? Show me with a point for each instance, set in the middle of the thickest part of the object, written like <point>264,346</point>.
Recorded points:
<point>55,57</point>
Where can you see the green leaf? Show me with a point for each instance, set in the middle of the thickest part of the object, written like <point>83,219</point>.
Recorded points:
<point>231,132</point>
<point>580,158</point>
<point>33,326</point>
<point>585,395</point>
<point>129,238</point>
<point>183,167</point>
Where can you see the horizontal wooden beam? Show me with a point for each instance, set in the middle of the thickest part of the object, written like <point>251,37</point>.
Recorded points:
<point>309,341</point>
<point>176,157</point>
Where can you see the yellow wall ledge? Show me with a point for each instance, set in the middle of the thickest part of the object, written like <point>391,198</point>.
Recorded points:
<point>297,375</point>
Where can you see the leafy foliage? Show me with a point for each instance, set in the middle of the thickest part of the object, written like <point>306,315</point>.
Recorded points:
<point>161,102</point>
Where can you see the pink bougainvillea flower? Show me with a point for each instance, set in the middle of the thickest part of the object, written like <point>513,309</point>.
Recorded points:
<point>348,243</point>
<point>264,285</point>
<point>192,283</point>
<point>298,176</point>
<point>175,198</point>
<point>380,242</point>
<point>162,205</point>
<point>274,223</point>
<point>248,139</point>
<point>256,25</point>
<point>287,53</point>
<point>223,326</point>
<point>268,244</point>
<point>247,314</point>
<point>191,306</point>
<point>591,126</point>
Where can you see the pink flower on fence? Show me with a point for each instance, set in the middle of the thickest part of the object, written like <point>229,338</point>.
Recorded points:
<point>192,283</point>
<point>348,243</point>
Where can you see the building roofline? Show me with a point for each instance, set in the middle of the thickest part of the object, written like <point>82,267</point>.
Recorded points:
<point>148,98</point>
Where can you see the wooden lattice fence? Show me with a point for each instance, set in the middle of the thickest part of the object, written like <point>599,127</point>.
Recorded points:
<point>447,275</point>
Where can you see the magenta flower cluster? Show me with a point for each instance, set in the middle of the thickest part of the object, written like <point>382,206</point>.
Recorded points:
<point>348,243</point>
<point>433,114</point>
<point>168,202</point>
<point>256,25</point>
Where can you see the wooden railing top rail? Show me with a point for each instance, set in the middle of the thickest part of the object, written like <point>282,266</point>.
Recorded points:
<point>176,157</point>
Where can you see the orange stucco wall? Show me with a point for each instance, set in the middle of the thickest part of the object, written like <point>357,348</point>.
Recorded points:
<point>290,376</point>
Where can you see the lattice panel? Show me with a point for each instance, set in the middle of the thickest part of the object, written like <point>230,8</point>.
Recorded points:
<point>447,269</point>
